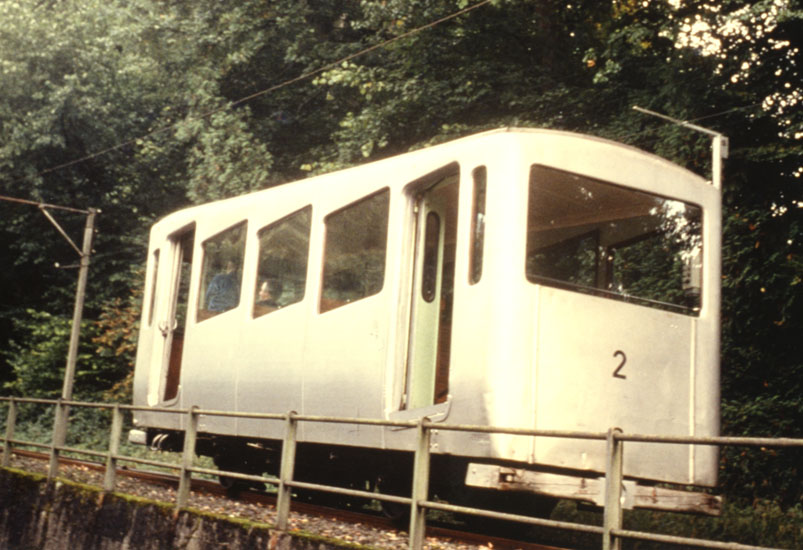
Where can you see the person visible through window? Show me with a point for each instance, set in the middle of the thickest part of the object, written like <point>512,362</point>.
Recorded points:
<point>282,264</point>
<point>223,293</point>
<point>268,293</point>
<point>221,272</point>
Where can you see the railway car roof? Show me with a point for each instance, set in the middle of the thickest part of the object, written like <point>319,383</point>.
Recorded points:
<point>499,138</point>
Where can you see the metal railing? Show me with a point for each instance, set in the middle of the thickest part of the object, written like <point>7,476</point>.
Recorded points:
<point>611,531</point>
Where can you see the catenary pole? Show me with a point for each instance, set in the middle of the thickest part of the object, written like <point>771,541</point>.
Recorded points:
<point>80,294</point>
<point>62,411</point>
<point>83,271</point>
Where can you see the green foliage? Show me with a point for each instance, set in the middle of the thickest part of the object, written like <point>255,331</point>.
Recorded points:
<point>38,363</point>
<point>160,85</point>
<point>79,77</point>
<point>115,343</point>
<point>761,523</point>
<point>510,64</point>
<point>34,422</point>
<point>781,478</point>
<point>225,159</point>
<point>762,378</point>
<point>105,361</point>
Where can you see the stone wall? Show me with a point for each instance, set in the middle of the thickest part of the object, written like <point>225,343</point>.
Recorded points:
<point>35,515</point>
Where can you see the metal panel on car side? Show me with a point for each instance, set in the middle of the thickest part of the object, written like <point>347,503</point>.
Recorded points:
<point>602,363</point>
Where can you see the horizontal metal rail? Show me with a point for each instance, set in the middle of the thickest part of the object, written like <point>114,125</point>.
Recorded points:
<point>21,443</point>
<point>529,520</point>
<point>612,532</point>
<point>148,462</point>
<point>670,539</point>
<point>719,441</point>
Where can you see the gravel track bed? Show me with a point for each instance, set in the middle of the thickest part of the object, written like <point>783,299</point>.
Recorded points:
<point>355,533</point>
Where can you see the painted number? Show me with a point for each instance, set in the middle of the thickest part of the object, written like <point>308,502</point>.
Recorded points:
<point>618,372</point>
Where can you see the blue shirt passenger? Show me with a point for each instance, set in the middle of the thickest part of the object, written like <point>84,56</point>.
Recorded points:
<point>223,292</point>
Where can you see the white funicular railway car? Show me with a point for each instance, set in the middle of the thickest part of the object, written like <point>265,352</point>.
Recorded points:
<point>520,278</point>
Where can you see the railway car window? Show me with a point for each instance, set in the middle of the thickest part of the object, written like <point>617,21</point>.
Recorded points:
<point>590,236</point>
<point>152,302</point>
<point>282,268</point>
<point>478,224</point>
<point>432,235</point>
<point>573,260</point>
<point>221,274</point>
<point>354,255</point>
<point>183,290</point>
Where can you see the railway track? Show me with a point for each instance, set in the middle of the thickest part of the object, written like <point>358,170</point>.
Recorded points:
<point>354,517</point>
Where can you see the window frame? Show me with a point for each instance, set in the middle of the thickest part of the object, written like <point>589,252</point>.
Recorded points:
<point>203,313</point>
<point>326,304</point>
<point>259,234</point>
<point>602,262</point>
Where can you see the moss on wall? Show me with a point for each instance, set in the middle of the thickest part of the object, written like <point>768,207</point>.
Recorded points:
<point>35,515</point>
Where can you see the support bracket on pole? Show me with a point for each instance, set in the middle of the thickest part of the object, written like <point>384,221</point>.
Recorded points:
<point>52,220</point>
<point>719,143</point>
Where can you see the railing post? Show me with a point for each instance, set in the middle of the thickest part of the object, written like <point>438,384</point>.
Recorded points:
<point>11,421</point>
<point>114,448</point>
<point>284,496</point>
<point>185,479</point>
<point>59,438</point>
<point>418,513</point>
<point>612,517</point>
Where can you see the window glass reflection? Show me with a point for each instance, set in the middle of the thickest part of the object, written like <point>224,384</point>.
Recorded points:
<point>221,273</point>
<point>282,269</point>
<point>432,233</point>
<point>354,255</point>
<point>596,237</point>
<point>478,224</point>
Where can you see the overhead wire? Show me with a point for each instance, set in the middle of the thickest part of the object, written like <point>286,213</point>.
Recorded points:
<point>305,76</point>
<point>726,112</point>
<point>299,78</point>
<point>697,119</point>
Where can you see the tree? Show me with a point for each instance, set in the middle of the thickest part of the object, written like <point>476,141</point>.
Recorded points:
<point>79,78</point>
<point>197,101</point>
<point>735,65</point>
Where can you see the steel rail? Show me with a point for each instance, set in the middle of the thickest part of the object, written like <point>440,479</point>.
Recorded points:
<point>148,462</point>
<point>518,518</point>
<point>23,443</point>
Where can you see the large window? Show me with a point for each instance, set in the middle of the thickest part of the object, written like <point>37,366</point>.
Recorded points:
<point>354,257</point>
<point>592,236</point>
<point>282,268</point>
<point>222,272</point>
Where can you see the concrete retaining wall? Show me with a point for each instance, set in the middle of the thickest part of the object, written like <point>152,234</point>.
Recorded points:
<point>35,515</point>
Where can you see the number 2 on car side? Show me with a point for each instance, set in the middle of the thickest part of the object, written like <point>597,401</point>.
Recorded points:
<point>617,373</point>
